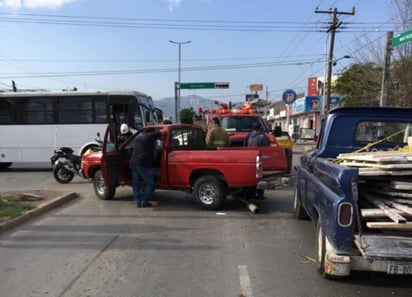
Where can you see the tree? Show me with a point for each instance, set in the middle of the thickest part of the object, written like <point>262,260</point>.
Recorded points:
<point>400,91</point>
<point>186,115</point>
<point>373,53</point>
<point>360,85</point>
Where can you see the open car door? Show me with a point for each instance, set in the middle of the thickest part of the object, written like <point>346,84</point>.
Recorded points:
<point>106,180</point>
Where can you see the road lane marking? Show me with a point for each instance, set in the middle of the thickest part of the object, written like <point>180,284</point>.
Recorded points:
<point>245,285</point>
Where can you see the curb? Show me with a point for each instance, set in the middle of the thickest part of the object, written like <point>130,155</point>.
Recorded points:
<point>40,209</point>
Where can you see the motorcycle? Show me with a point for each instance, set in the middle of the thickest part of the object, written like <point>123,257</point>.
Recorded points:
<point>66,164</point>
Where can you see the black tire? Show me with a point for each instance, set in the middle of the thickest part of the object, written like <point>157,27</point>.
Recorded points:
<point>320,249</point>
<point>210,192</point>
<point>298,211</point>
<point>4,166</point>
<point>62,175</point>
<point>100,189</point>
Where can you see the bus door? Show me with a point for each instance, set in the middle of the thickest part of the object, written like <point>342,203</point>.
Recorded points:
<point>120,108</point>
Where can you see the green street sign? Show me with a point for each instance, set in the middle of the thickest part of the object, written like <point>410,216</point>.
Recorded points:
<point>204,85</point>
<point>402,38</point>
<point>199,85</point>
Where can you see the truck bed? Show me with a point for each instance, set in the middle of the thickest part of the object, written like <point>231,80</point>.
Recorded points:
<point>385,184</point>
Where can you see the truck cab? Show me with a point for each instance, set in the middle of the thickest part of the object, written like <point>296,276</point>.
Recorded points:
<point>238,122</point>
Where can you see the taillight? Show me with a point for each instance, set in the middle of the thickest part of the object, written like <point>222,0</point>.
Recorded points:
<point>345,214</point>
<point>259,169</point>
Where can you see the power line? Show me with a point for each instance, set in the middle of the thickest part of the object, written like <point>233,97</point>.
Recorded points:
<point>159,70</point>
<point>147,23</point>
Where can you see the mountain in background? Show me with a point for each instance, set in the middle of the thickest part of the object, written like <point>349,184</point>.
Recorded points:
<point>191,101</point>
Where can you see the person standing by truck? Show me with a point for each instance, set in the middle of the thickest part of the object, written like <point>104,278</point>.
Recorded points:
<point>257,137</point>
<point>141,165</point>
<point>217,136</point>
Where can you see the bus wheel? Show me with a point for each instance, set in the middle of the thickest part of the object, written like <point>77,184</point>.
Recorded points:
<point>4,166</point>
<point>62,175</point>
<point>209,192</point>
<point>100,189</point>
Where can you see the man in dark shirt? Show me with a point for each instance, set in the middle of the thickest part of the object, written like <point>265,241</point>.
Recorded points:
<point>257,137</point>
<point>141,165</point>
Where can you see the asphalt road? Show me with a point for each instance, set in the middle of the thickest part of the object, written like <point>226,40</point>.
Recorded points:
<point>90,247</point>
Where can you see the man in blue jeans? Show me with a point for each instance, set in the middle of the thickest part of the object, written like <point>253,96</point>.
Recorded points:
<point>141,165</point>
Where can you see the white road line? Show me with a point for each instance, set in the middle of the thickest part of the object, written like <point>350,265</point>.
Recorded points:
<point>245,285</point>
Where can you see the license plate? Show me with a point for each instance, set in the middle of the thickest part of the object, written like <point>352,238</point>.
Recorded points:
<point>399,268</point>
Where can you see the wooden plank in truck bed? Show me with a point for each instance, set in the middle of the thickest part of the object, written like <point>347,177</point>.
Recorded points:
<point>379,213</point>
<point>401,185</point>
<point>379,157</point>
<point>385,166</point>
<point>390,226</point>
<point>393,215</point>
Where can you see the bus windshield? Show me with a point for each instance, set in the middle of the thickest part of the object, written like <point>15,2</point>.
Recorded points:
<point>33,124</point>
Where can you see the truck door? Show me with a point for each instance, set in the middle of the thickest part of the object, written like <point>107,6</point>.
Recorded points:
<point>111,161</point>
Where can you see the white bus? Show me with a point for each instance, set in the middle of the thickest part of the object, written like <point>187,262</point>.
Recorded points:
<point>33,124</point>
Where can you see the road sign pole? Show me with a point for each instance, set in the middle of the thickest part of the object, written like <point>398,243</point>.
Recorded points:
<point>176,104</point>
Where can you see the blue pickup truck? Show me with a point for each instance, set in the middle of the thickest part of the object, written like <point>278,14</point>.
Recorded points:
<point>356,187</point>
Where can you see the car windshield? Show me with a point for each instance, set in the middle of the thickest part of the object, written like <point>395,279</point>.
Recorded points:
<point>240,124</point>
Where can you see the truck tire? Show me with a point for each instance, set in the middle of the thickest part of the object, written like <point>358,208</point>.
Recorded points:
<point>321,253</point>
<point>210,192</point>
<point>100,189</point>
<point>320,249</point>
<point>298,211</point>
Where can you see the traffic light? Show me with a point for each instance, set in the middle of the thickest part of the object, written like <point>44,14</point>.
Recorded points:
<point>222,85</point>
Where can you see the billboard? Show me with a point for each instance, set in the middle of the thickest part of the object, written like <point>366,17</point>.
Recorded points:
<point>312,86</point>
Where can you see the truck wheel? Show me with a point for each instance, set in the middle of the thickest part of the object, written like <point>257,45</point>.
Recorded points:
<point>100,189</point>
<point>298,211</point>
<point>209,192</point>
<point>320,249</point>
<point>321,253</point>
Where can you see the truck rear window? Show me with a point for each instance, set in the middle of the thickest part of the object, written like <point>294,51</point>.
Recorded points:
<point>393,132</point>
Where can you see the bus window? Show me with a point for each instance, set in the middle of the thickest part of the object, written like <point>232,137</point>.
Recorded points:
<point>75,110</point>
<point>34,111</point>
<point>5,111</point>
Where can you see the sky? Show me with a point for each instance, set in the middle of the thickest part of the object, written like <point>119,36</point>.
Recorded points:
<point>125,44</point>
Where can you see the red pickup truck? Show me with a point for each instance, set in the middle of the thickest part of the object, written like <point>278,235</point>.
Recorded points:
<point>184,162</point>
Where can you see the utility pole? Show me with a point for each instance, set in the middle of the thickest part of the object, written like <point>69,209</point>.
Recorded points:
<point>177,85</point>
<point>385,75</point>
<point>332,30</point>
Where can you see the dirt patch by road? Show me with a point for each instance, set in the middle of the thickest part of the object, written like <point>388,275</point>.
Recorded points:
<point>40,200</point>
